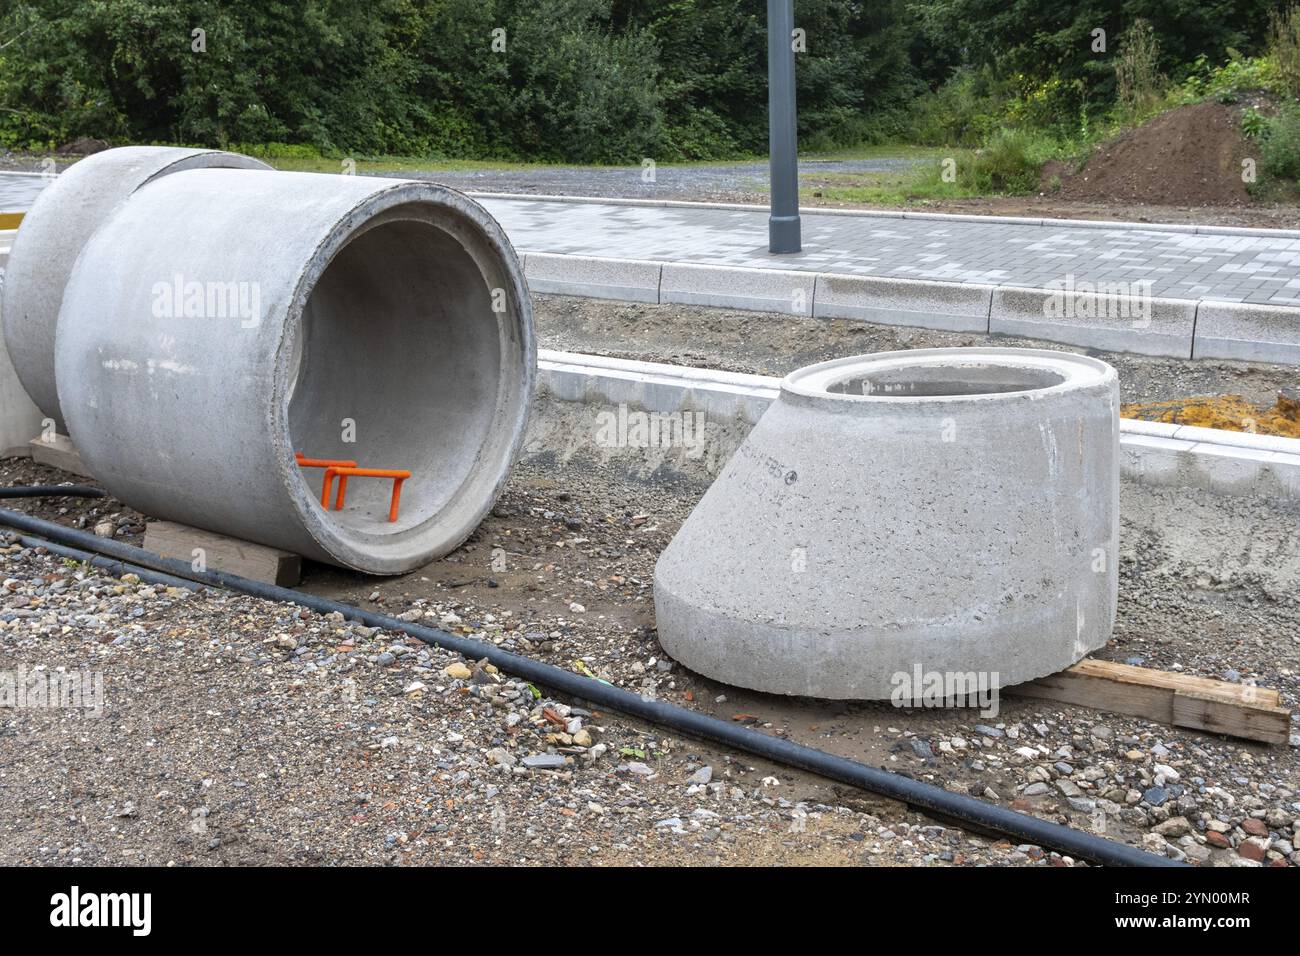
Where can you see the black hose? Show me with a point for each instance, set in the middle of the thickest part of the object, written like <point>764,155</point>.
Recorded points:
<point>110,565</point>
<point>52,491</point>
<point>956,807</point>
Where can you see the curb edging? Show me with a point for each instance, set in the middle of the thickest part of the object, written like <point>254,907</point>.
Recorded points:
<point>1174,328</point>
<point>1151,453</point>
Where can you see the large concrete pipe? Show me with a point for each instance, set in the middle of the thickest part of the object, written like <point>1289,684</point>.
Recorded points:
<point>63,218</point>
<point>949,512</point>
<point>220,320</point>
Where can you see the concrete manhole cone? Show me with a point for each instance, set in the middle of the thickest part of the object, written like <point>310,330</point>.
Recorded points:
<point>934,511</point>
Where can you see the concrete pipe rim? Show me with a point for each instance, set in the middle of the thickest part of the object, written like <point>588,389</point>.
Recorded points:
<point>912,377</point>
<point>427,529</point>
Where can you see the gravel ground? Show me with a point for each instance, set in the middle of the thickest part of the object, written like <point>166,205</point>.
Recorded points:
<point>240,731</point>
<point>711,182</point>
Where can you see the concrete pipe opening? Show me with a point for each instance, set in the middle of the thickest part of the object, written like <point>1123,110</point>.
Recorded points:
<point>399,367</point>
<point>946,373</point>
<point>952,510</point>
<point>220,322</point>
<point>942,380</point>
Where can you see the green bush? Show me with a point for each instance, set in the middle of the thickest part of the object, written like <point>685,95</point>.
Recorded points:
<point>1054,106</point>
<point>278,150</point>
<point>1010,162</point>
<point>1240,75</point>
<point>698,134</point>
<point>1138,82</point>
<point>1284,46</point>
<point>964,111</point>
<point>1253,123</point>
<point>384,77</point>
<point>608,80</point>
<point>1280,145</point>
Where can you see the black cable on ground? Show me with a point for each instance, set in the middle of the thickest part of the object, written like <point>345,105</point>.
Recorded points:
<point>114,567</point>
<point>52,491</point>
<point>960,808</point>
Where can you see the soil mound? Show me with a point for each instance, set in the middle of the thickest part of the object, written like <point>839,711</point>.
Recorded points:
<point>1190,155</point>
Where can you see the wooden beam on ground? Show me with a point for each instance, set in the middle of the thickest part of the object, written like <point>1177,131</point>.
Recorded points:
<point>57,451</point>
<point>220,553</point>
<point>1180,700</point>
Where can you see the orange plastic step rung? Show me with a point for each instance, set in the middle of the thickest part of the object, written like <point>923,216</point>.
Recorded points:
<point>344,472</point>
<point>305,462</point>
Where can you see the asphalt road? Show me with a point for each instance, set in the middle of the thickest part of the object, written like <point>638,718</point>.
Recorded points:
<point>19,190</point>
<point>702,183</point>
<point>716,182</point>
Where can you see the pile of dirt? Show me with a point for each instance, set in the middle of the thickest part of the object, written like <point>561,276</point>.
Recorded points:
<point>1191,155</point>
<point>82,147</point>
<point>1231,412</point>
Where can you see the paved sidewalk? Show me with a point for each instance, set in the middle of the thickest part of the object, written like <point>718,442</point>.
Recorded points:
<point>19,190</point>
<point>1180,265</point>
<point>1178,290</point>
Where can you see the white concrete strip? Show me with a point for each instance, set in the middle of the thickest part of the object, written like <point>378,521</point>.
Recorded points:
<point>574,377</point>
<point>903,214</point>
<point>1150,452</point>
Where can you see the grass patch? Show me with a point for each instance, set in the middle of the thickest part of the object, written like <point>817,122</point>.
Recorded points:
<point>1009,165</point>
<point>299,161</point>
<point>891,151</point>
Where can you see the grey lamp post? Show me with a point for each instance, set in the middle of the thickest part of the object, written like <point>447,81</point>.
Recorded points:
<point>783,224</point>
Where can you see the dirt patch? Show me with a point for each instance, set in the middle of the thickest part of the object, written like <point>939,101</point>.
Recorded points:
<point>1189,155</point>
<point>1229,412</point>
<point>83,147</point>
